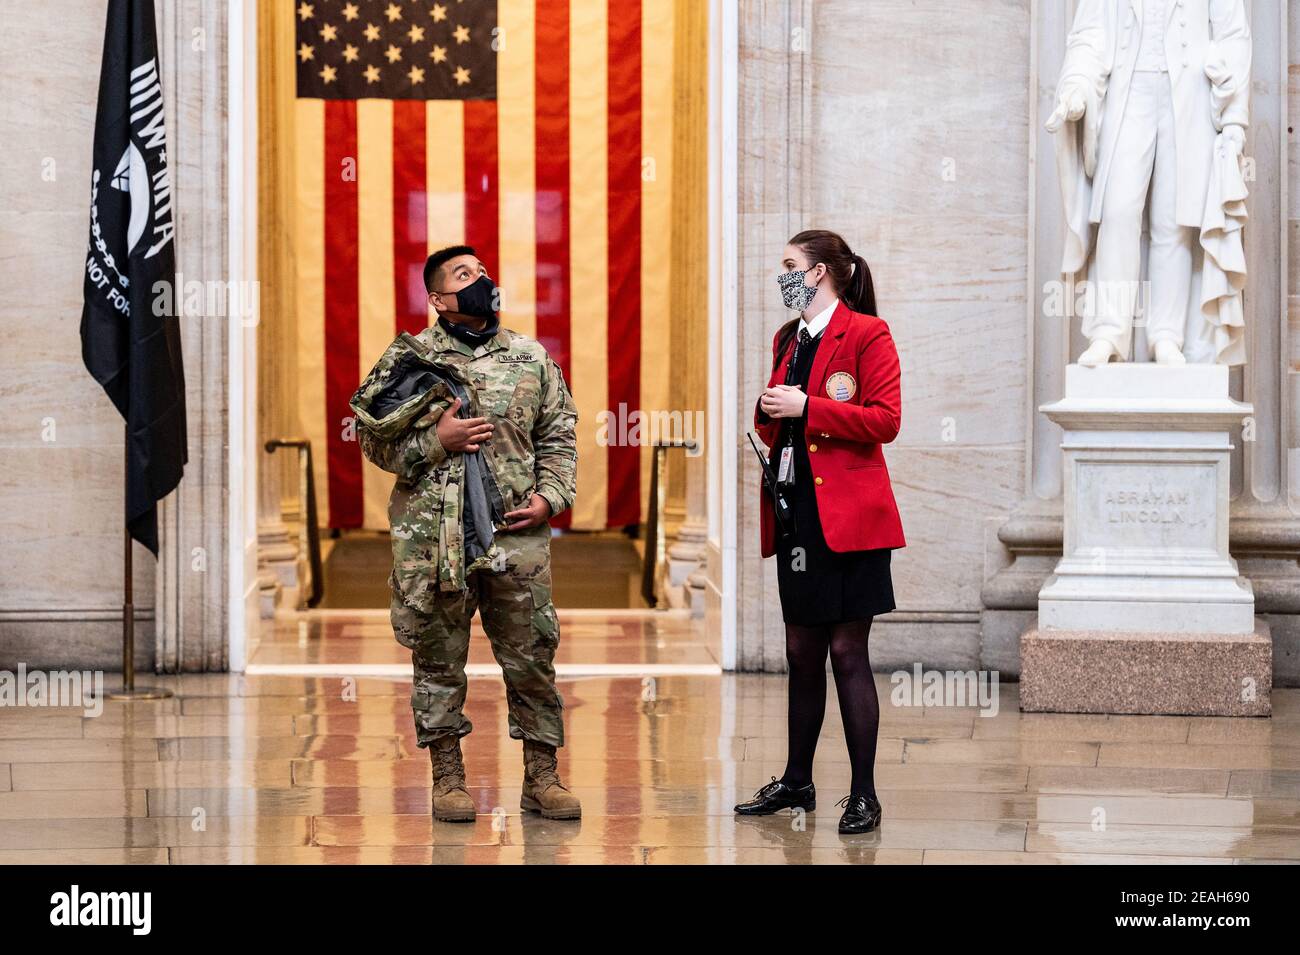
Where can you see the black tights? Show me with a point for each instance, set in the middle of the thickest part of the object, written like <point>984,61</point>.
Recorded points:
<point>805,651</point>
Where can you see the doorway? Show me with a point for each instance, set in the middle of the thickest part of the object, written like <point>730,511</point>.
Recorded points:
<point>426,173</point>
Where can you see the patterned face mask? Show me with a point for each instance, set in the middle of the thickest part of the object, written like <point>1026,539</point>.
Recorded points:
<point>794,293</point>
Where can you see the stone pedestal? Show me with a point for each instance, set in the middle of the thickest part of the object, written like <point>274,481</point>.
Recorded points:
<point>1147,456</point>
<point>1185,674</point>
<point>1146,612</point>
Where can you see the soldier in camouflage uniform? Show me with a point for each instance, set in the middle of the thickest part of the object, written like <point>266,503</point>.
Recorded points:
<point>519,419</point>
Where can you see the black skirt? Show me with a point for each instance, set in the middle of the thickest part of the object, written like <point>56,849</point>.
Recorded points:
<point>820,586</point>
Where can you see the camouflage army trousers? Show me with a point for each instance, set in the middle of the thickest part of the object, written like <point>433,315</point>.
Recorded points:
<point>517,613</point>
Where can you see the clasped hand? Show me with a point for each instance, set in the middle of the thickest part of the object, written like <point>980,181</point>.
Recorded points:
<point>782,401</point>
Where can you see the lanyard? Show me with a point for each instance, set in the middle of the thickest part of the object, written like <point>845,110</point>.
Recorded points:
<point>786,439</point>
<point>794,357</point>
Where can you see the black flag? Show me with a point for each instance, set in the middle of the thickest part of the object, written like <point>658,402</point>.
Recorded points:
<point>130,338</point>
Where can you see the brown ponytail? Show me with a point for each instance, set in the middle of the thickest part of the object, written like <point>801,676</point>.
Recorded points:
<point>849,272</point>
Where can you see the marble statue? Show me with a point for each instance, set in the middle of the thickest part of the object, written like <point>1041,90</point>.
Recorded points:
<point>1152,105</point>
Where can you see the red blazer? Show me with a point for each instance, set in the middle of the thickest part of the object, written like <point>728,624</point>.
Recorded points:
<point>853,409</point>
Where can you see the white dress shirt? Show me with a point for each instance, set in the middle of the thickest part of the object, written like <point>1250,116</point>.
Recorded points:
<point>820,320</point>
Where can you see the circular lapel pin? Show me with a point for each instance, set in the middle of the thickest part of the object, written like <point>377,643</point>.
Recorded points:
<point>841,386</point>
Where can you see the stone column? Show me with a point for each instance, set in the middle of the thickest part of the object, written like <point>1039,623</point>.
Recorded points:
<point>775,134</point>
<point>1028,543</point>
<point>685,509</point>
<point>1265,527</point>
<point>277,371</point>
<point>192,625</point>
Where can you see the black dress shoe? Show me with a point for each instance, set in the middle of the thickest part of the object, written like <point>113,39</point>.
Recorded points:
<point>776,796</point>
<point>861,814</point>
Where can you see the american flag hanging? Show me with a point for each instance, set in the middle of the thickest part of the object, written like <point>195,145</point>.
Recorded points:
<point>386,50</point>
<point>537,131</point>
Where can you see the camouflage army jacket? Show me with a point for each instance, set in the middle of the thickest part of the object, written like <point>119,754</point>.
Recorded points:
<point>521,391</point>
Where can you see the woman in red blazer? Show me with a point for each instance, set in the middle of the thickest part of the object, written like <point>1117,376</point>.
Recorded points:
<point>832,401</point>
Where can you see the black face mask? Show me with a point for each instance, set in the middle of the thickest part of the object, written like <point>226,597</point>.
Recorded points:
<point>478,299</point>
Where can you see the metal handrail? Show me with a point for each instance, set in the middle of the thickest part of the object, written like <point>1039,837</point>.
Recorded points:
<point>309,536</point>
<point>654,527</point>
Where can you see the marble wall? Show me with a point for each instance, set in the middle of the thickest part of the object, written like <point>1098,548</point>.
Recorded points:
<point>913,127</point>
<point>892,124</point>
<point>1292,224</point>
<point>919,159</point>
<point>61,457</point>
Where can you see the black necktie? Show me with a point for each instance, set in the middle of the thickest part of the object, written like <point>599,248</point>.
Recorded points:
<point>785,433</point>
<point>792,369</point>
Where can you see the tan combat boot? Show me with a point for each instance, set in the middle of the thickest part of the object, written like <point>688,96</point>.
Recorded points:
<point>543,791</point>
<point>451,800</point>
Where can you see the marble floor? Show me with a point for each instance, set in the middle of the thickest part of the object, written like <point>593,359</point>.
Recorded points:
<point>637,642</point>
<point>324,769</point>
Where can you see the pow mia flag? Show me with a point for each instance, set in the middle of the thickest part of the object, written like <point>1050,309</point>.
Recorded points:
<point>128,343</point>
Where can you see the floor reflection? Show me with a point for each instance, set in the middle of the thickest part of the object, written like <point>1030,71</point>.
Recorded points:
<point>294,769</point>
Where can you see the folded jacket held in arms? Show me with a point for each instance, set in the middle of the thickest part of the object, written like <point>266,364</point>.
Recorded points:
<point>409,389</point>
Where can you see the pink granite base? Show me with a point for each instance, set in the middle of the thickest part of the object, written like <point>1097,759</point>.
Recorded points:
<point>1205,674</point>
